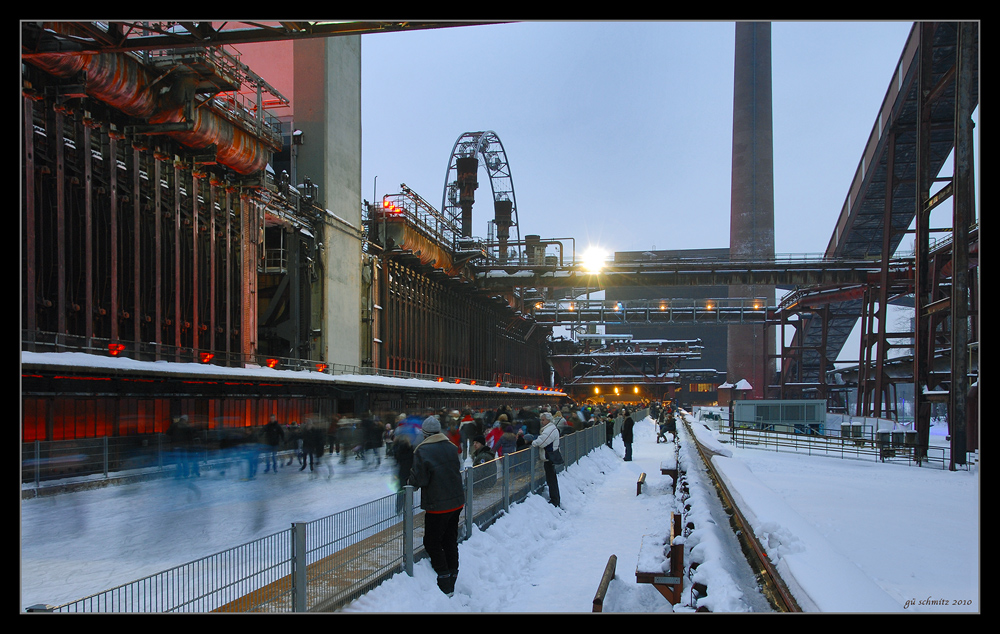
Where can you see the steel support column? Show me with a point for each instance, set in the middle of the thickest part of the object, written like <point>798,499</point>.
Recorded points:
<point>158,254</point>
<point>62,304</point>
<point>137,313</point>
<point>963,213</point>
<point>30,307</point>
<point>89,307</point>
<point>922,330</point>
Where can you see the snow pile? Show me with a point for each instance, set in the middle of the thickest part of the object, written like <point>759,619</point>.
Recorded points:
<point>710,546</point>
<point>708,439</point>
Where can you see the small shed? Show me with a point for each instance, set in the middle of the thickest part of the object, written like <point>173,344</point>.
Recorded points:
<point>790,416</point>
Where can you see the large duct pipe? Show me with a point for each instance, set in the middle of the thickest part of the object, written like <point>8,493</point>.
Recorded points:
<point>121,82</point>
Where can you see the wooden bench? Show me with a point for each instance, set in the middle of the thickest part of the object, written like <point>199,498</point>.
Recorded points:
<point>671,584</point>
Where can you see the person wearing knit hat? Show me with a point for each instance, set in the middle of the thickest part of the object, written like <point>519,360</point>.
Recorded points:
<point>437,473</point>
<point>481,453</point>
<point>431,426</point>
<point>467,428</point>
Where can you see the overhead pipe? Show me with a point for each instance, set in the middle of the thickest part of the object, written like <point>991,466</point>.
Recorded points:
<point>120,81</point>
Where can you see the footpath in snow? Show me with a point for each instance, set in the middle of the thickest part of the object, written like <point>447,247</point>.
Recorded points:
<point>539,559</point>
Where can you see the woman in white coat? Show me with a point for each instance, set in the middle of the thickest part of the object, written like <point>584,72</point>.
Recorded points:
<point>549,436</point>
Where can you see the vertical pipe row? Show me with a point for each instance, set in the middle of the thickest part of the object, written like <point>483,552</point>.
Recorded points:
<point>98,252</point>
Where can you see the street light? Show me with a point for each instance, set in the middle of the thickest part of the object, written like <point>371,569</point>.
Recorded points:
<point>593,259</point>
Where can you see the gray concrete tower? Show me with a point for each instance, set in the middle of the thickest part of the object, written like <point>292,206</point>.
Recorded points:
<point>327,75</point>
<point>751,229</point>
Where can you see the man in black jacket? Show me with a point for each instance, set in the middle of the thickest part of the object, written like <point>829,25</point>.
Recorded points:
<point>437,472</point>
<point>627,426</point>
<point>273,435</point>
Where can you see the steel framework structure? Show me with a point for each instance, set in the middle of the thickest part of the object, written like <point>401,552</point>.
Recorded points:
<point>925,116</point>
<point>461,182</point>
<point>149,234</point>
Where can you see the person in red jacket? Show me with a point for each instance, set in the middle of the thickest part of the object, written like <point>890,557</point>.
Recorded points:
<point>493,435</point>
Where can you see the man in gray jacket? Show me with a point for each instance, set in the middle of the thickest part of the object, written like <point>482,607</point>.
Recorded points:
<point>437,472</point>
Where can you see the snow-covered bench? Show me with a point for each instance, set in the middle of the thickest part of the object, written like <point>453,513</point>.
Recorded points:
<point>668,467</point>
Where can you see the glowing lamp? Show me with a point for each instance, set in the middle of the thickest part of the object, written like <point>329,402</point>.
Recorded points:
<point>593,260</point>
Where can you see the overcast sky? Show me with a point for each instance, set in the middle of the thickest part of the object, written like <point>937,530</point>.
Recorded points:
<point>620,133</point>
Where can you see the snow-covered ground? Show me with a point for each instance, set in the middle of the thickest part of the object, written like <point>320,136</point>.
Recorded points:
<point>849,536</point>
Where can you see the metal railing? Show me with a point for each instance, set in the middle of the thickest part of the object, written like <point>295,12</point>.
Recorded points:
<point>324,564</point>
<point>854,441</point>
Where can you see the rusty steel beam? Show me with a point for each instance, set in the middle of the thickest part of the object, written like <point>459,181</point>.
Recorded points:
<point>130,36</point>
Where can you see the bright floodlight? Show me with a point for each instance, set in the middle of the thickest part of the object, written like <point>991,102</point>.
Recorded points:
<point>593,259</point>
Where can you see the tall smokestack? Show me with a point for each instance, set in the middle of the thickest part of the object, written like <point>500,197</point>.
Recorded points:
<point>751,228</point>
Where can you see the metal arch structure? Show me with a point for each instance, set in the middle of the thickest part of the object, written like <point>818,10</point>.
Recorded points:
<point>461,182</point>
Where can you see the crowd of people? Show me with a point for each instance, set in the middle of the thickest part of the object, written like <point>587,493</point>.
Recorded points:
<point>428,448</point>
<point>481,435</point>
